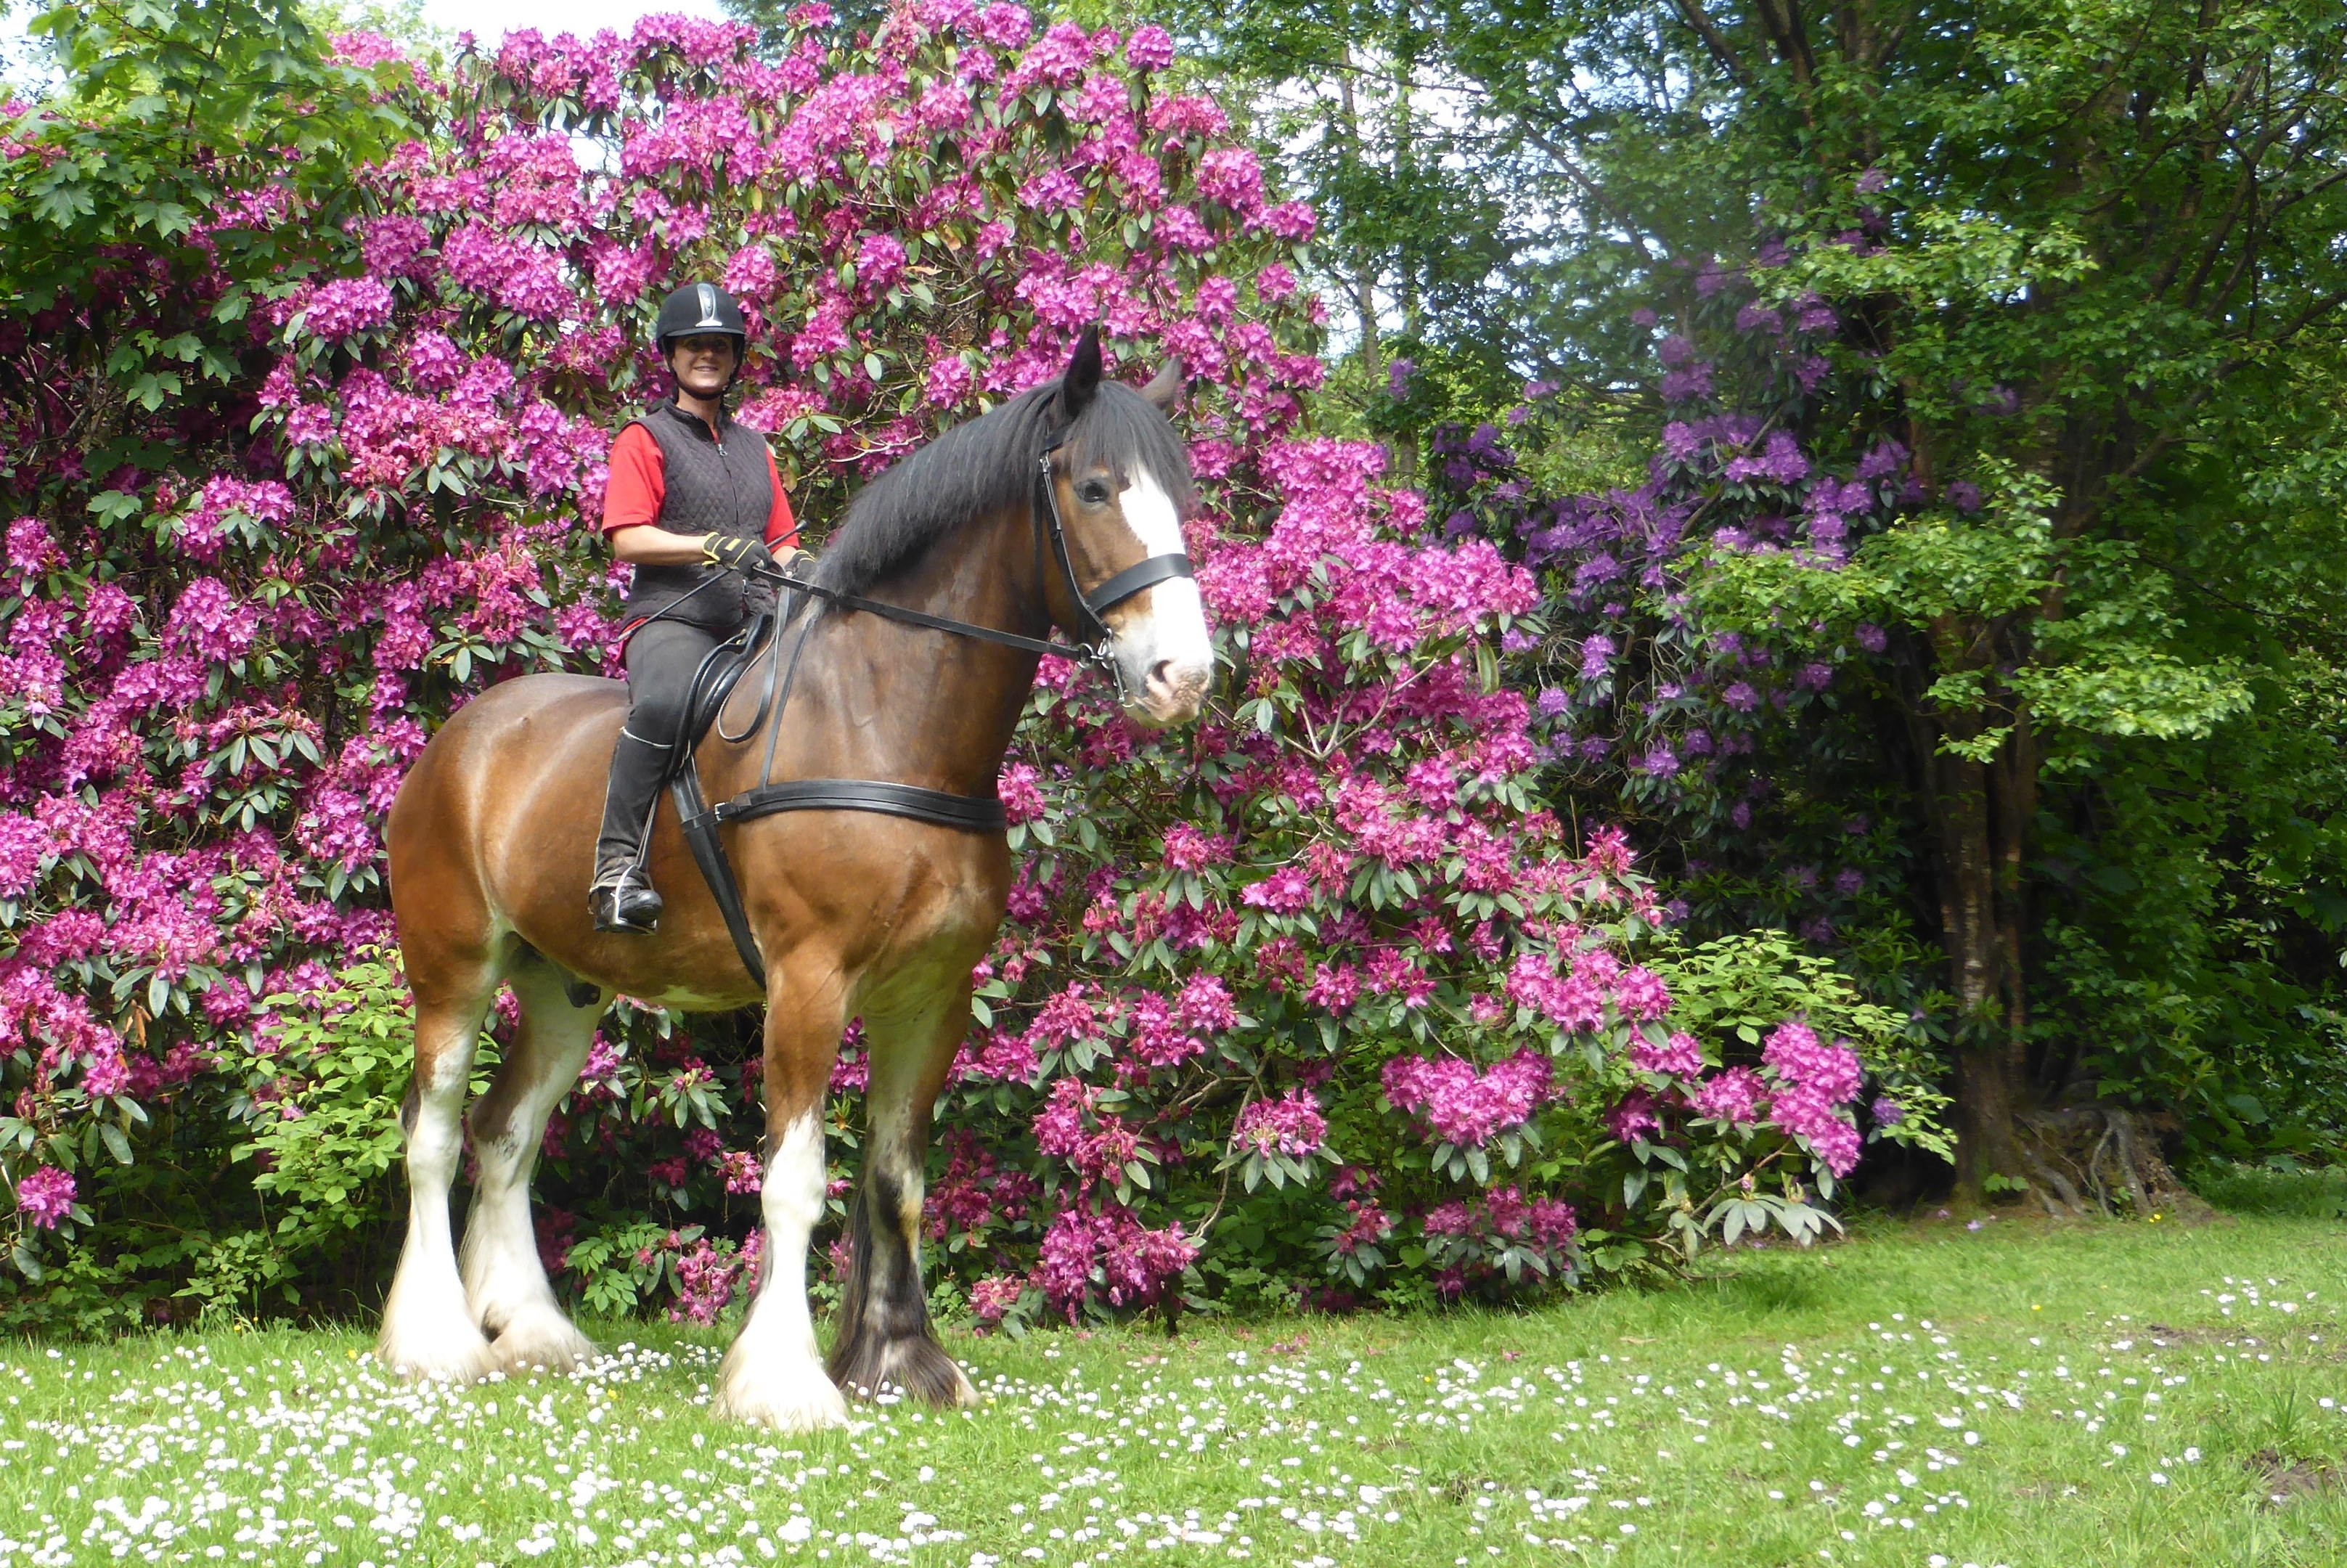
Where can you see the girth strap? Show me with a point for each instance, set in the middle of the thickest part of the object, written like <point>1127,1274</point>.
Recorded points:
<point>965,813</point>
<point>968,813</point>
<point>700,826</point>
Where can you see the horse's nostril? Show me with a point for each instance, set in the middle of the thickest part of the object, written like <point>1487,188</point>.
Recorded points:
<point>1162,673</point>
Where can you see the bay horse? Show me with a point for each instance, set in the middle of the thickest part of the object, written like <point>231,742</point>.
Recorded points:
<point>854,913</point>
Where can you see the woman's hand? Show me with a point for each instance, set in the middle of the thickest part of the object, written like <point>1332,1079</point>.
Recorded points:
<point>736,554</point>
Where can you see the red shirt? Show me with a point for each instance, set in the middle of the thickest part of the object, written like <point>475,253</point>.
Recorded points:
<point>639,486</point>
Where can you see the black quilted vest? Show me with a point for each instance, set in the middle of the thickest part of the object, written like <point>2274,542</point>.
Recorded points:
<point>710,487</point>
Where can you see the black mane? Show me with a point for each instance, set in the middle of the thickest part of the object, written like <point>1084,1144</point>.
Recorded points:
<point>977,469</point>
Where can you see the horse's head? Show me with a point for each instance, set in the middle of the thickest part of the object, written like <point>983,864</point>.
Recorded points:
<point>1121,481</point>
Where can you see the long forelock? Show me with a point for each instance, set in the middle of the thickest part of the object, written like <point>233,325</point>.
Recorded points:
<point>981,467</point>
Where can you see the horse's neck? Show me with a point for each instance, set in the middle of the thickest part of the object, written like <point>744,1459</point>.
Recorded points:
<point>877,699</point>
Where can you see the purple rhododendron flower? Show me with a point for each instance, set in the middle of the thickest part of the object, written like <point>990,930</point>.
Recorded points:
<point>1634,1118</point>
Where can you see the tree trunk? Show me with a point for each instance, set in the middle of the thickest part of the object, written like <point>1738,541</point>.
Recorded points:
<point>1365,269</point>
<point>1980,813</point>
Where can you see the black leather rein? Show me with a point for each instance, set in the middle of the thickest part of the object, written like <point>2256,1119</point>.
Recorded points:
<point>938,809</point>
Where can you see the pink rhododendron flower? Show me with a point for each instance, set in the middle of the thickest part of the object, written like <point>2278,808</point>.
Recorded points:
<point>347,307</point>
<point>1633,1118</point>
<point>1732,1096</point>
<point>1795,1055</point>
<point>46,1195</point>
<point>1679,1056</point>
<point>992,1298</point>
<point>1292,1125</point>
<point>1022,800</point>
<point>1465,1107</point>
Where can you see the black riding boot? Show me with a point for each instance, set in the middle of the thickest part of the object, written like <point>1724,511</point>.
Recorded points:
<point>621,897</point>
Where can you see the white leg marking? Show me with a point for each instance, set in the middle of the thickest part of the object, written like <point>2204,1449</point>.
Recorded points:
<point>772,1375</point>
<point>505,1282</point>
<point>427,1330</point>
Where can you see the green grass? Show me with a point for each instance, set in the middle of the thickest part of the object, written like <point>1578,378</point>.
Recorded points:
<point>2104,1394</point>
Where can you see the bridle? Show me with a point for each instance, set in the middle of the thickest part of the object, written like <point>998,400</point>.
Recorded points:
<point>1095,644</point>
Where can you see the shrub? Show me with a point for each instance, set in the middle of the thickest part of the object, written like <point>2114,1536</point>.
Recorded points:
<point>1313,1001</point>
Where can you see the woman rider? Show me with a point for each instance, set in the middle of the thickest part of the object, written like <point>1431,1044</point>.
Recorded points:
<point>693,500</point>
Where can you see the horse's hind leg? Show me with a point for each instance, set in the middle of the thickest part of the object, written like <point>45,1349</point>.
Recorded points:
<point>772,1376</point>
<point>884,1335</point>
<point>427,1330</point>
<point>504,1282</point>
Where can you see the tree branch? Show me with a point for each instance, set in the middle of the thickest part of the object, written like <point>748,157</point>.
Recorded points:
<point>1693,13</point>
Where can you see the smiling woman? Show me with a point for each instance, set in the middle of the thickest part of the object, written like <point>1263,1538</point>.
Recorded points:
<point>691,513</point>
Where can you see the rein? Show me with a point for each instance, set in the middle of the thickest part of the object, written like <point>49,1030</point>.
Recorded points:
<point>939,808</point>
<point>1096,653</point>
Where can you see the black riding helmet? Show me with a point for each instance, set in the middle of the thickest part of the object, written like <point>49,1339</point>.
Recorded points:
<point>699,310</point>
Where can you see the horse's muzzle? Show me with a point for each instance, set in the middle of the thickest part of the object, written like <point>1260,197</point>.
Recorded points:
<point>1170,694</point>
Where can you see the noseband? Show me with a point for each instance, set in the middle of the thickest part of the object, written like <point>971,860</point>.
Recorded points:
<point>1095,644</point>
<point>1094,647</point>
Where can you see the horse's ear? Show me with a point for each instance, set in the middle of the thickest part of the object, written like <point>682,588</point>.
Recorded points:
<point>1164,388</point>
<point>1081,381</point>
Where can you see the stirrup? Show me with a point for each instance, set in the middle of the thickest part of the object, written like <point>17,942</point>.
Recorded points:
<point>623,904</point>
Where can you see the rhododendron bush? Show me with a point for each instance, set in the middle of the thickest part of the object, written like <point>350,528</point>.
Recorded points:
<point>1313,1002</point>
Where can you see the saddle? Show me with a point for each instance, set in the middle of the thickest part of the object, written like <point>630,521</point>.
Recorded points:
<point>712,685</point>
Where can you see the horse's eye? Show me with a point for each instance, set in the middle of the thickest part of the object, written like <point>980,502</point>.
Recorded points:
<point>1092,493</point>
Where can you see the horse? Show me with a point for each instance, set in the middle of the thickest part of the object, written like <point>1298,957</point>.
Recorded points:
<point>854,913</point>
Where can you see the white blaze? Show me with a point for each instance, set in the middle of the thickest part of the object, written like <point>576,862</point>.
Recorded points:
<point>1171,632</point>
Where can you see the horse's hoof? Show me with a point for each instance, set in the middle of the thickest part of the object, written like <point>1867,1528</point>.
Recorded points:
<point>790,1399</point>
<point>543,1341</point>
<point>916,1366</point>
<point>450,1356</point>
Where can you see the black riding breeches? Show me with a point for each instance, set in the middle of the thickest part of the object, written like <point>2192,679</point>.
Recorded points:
<point>662,657</point>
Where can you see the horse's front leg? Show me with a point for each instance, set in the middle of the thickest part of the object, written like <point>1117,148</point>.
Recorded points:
<point>884,1338</point>
<point>773,1375</point>
<point>427,1330</point>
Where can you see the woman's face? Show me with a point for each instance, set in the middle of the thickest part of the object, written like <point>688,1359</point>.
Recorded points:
<point>703,364</point>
